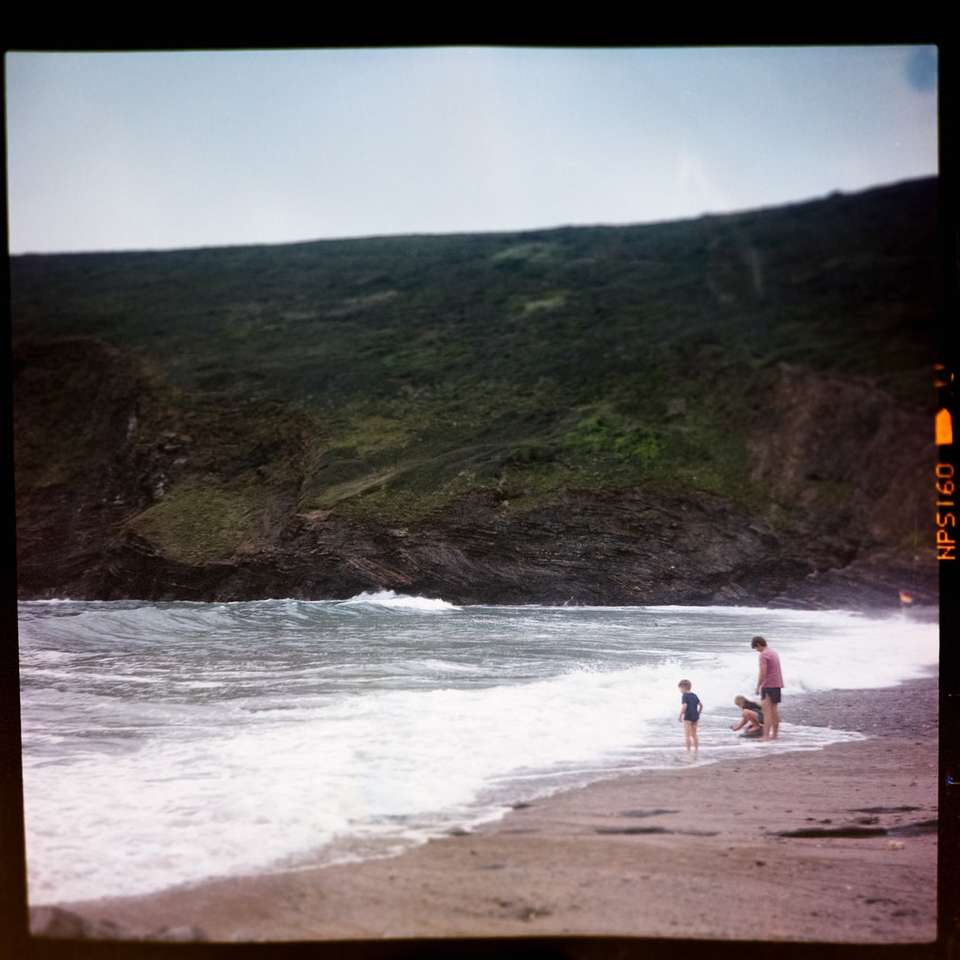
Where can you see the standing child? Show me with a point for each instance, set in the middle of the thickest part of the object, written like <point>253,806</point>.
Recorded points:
<point>690,710</point>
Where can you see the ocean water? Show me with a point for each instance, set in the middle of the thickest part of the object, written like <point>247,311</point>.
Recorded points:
<point>164,743</point>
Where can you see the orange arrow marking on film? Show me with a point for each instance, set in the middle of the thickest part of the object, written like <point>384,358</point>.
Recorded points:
<point>944,428</point>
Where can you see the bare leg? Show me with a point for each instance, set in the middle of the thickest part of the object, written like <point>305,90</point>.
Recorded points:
<point>696,736</point>
<point>774,720</point>
<point>686,733</point>
<point>767,712</point>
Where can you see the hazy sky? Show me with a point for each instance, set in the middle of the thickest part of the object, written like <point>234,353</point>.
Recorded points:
<point>111,151</point>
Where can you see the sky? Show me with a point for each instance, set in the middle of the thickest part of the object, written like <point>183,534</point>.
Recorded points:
<point>166,150</point>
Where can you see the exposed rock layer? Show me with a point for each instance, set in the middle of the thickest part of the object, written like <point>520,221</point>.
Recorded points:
<point>842,520</point>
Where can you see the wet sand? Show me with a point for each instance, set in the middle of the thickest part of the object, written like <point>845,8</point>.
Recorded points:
<point>685,853</point>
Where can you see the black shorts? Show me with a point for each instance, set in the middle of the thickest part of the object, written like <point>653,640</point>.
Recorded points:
<point>770,693</point>
<point>691,719</point>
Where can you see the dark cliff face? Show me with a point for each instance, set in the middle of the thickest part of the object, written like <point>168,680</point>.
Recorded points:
<point>654,462</point>
<point>79,474</point>
<point>844,467</point>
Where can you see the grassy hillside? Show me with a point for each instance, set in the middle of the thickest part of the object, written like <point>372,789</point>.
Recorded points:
<point>383,378</point>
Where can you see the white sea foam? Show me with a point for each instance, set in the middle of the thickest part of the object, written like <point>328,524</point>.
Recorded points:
<point>164,743</point>
<point>52,600</point>
<point>399,601</point>
<point>236,797</point>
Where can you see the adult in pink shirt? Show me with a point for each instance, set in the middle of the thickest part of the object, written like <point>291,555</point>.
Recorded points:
<point>769,685</point>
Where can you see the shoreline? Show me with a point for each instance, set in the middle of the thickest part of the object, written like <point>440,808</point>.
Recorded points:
<point>685,853</point>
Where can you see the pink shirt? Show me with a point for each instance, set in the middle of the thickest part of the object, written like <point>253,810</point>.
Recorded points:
<point>773,677</point>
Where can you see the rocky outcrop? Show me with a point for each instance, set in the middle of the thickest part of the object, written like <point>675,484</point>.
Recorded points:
<point>852,470</point>
<point>844,451</point>
<point>838,520</point>
<point>587,548</point>
<point>90,452</point>
<point>59,923</point>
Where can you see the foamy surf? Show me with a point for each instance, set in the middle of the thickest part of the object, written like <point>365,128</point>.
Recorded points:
<point>398,601</point>
<point>165,743</point>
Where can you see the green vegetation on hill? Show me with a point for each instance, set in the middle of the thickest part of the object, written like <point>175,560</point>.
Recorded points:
<point>409,371</point>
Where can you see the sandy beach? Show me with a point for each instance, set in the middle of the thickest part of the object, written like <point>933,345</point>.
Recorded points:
<point>682,853</point>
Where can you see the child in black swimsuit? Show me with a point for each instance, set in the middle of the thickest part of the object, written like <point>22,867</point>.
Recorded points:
<point>690,709</point>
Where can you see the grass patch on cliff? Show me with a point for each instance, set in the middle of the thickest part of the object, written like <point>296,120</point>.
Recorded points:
<point>374,433</point>
<point>607,434</point>
<point>199,522</point>
<point>394,505</point>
